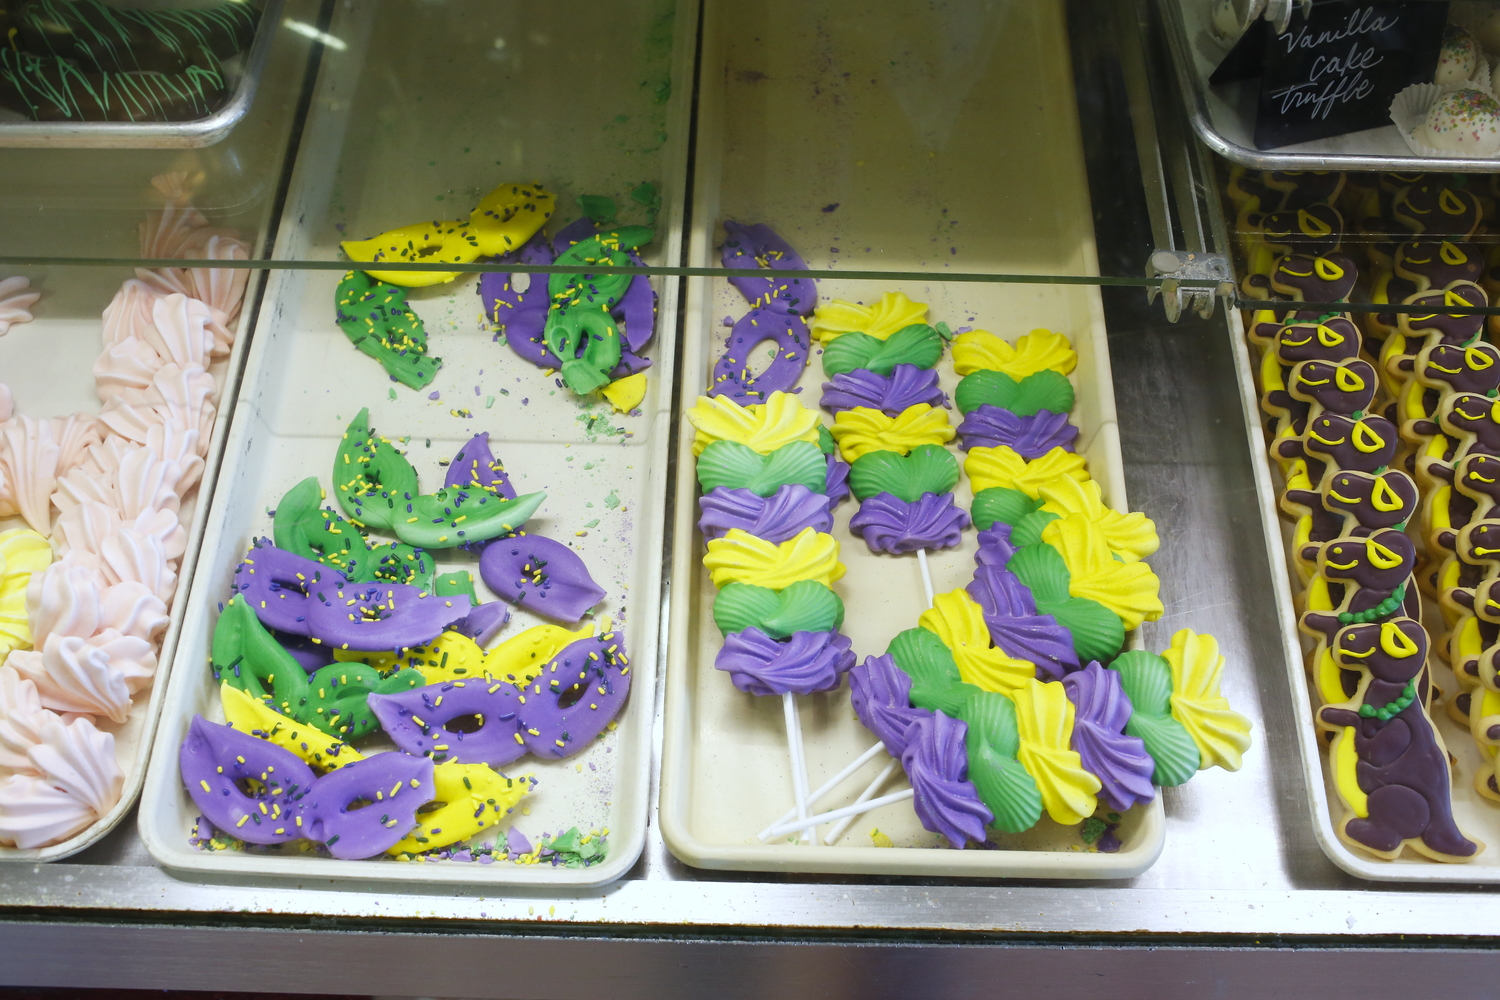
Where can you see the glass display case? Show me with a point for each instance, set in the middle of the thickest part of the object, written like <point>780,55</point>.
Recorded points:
<point>690,171</point>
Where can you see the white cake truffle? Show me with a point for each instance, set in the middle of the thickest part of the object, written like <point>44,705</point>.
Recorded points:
<point>1465,122</point>
<point>1460,57</point>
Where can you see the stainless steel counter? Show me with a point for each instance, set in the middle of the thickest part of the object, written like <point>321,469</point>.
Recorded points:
<point>1242,902</point>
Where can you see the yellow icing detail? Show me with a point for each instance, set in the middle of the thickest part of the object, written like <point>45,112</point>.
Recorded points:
<point>893,312</point>
<point>1317,596</point>
<point>1345,760</point>
<point>1476,359</point>
<point>1001,466</point>
<point>1044,721</point>
<point>522,657</point>
<point>862,430</point>
<point>464,789</point>
<point>1365,439</point>
<point>1396,642</point>
<point>741,557</point>
<point>253,716</point>
<point>1311,225</point>
<point>1222,734</point>
<point>1451,254</point>
<point>1380,556</point>
<point>959,622</point>
<point>23,552</point>
<point>1130,590</point>
<point>1328,336</point>
<point>1330,678</point>
<point>1039,350</point>
<point>625,394</point>
<point>1386,499</point>
<point>761,427</point>
<point>1132,536</point>
<point>1327,269</point>
<point>1347,380</point>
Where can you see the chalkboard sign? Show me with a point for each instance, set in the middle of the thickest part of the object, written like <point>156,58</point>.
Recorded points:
<point>1336,70</point>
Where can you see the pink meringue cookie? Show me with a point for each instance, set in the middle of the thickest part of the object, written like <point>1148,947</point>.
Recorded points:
<point>179,330</point>
<point>16,300</point>
<point>63,600</point>
<point>222,289</point>
<point>126,366</point>
<point>131,609</point>
<point>129,311</point>
<point>129,554</point>
<point>79,781</point>
<point>34,812</point>
<point>21,720</point>
<point>7,403</point>
<point>28,458</point>
<point>75,435</point>
<point>72,676</point>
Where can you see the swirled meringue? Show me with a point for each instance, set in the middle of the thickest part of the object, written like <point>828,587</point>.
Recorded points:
<point>63,600</point>
<point>34,812</point>
<point>21,719</point>
<point>179,330</point>
<point>28,459</point>
<point>129,312</point>
<point>78,782</point>
<point>16,300</point>
<point>129,554</point>
<point>806,663</point>
<point>72,676</point>
<point>776,518</point>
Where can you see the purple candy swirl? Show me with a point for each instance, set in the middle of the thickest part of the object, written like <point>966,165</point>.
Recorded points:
<point>995,548</point>
<point>889,524</point>
<point>937,765</point>
<point>906,386</point>
<point>881,693</point>
<point>1119,761</point>
<point>777,518</point>
<point>806,663</point>
<point>836,484</point>
<point>1016,628</point>
<point>989,426</point>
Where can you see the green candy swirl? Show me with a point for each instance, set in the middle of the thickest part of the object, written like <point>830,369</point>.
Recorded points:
<point>1043,390</point>
<point>929,468</point>
<point>805,606</point>
<point>1097,631</point>
<point>1003,784</point>
<point>917,344</point>
<point>738,467</point>
<point>935,682</point>
<point>1001,504</point>
<point>1147,680</point>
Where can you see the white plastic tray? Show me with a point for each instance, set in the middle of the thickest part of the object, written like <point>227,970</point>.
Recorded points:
<point>1476,815</point>
<point>725,773</point>
<point>305,381</point>
<point>47,364</point>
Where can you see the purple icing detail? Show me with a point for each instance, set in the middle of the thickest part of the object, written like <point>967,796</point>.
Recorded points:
<point>385,791</point>
<point>836,484</point>
<point>1016,628</point>
<point>310,655</point>
<point>777,308</point>
<point>881,693</point>
<point>804,664</point>
<point>743,244</point>
<point>989,426</point>
<point>1101,709</point>
<point>995,548</point>
<point>483,623</point>
<point>516,843</point>
<point>889,524</point>
<point>276,585</point>
<point>777,518</point>
<point>221,757</point>
<point>575,696</point>
<point>417,720</point>
<point>380,616</point>
<point>907,386</point>
<point>540,575</point>
<point>936,762</point>
<point>475,465</point>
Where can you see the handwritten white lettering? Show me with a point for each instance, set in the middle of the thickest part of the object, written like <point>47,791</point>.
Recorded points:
<point>1364,21</point>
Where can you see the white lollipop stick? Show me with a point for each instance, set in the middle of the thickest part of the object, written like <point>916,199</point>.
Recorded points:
<point>926,575</point>
<point>799,763</point>
<point>864,796</point>
<point>826,787</point>
<point>833,814</point>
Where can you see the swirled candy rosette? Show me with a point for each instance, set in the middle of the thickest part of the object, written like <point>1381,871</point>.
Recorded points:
<point>765,514</point>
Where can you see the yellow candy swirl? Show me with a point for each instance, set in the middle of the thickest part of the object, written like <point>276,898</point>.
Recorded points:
<point>862,430</point>
<point>1044,721</point>
<point>740,557</point>
<point>1222,734</point>
<point>762,427</point>
<point>1038,350</point>
<point>893,312</point>
<point>959,622</point>
<point>1130,590</point>
<point>1001,466</point>
<point>1132,537</point>
<point>22,553</point>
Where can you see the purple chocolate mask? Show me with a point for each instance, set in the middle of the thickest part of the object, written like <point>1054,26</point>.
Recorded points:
<point>989,426</point>
<point>889,524</point>
<point>881,693</point>
<point>805,663</point>
<point>907,385</point>
<point>277,584</point>
<point>380,616</point>
<point>937,764</point>
<point>484,711</point>
<point>1120,762</point>
<point>367,807</point>
<point>777,308</point>
<point>218,765</point>
<point>575,696</point>
<point>540,575</point>
<point>777,518</point>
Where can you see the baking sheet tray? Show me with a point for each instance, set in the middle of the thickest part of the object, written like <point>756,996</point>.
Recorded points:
<point>725,773</point>
<point>1224,117</point>
<point>48,365</point>
<point>160,135</point>
<point>605,473</point>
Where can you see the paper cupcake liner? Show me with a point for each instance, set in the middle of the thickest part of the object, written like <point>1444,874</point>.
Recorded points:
<point>1409,112</point>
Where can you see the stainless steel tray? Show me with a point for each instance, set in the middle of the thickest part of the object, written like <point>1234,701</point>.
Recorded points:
<point>159,135</point>
<point>1224,117</point>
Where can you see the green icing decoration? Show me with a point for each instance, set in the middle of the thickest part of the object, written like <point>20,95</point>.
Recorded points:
<point>1028,530</point>
<point>1097,631</point>
<point>376,319</point>
<point>370,477</point>
<point>457,515</point>
<point>929,468</point>
<point>935,683</point>
<point>398,562</point>
<point>999,503</point>
<point>1043,390</point>
<point>805,606</point>
<point>1003,784</point>
<point>301,526</point>
<point>579,329</point>
<point>1147,680</point>
<point>1391,708</point>
<point>917,344</point>
<point>738,467</point>
<point>826,443</point>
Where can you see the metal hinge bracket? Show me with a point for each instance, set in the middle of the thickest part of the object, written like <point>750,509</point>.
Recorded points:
<point>1177,266</point>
